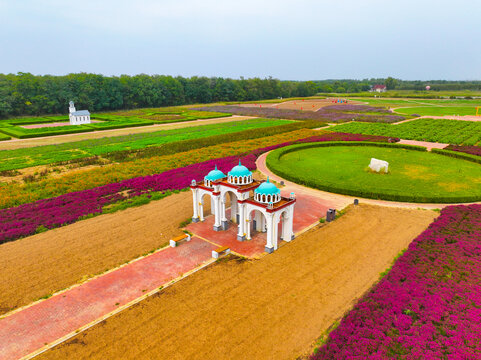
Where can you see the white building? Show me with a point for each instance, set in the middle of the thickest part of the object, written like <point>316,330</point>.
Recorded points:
<point>255,206</point>
<point>78,117</point>
<point>379,88</point>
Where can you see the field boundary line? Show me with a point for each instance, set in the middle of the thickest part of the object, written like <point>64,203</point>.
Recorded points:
<point>116,311</point>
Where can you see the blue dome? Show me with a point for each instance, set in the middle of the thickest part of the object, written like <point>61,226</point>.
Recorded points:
<point>214,175</point>
<point>240,170</point>
<point>267,188</point>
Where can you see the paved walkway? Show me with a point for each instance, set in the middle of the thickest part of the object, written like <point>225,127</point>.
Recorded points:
<point>30,329</point>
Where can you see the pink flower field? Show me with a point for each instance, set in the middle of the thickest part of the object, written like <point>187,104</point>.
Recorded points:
<point>429,304</point>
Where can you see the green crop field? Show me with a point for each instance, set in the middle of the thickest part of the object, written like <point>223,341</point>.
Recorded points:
<point>438,110</point>
<point>426,107</point>
<point>43,155</point>
<point>414,175</point>
<point>455,132</point>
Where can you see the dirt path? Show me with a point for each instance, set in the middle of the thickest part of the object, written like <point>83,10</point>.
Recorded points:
<point>272,308</point>
<point>428,145</point>
<point>60,139</point>
<point>42,264</point>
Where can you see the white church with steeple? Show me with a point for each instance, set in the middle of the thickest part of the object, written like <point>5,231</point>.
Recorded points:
<point>78,117</point>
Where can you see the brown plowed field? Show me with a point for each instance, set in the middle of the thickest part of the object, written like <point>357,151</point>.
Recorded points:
<point>306,105</point>
<point>41,264</point>
<point>272,308</point>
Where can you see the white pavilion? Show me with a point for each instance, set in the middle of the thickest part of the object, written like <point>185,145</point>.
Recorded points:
<point>78,117</point>
<point>255,206</point>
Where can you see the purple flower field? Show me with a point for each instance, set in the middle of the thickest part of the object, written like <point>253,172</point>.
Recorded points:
<point>356,108</point>
<point>473,150</point>
<point>24,220</point>
<point>331,116</point>
<point>429,304</point>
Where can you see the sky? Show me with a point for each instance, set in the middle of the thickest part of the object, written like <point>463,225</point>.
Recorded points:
<point>288,40</point>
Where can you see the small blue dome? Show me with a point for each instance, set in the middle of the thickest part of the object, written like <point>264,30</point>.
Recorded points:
<point>214,175</point>
<point>267,188</point>
<point>240,170</point>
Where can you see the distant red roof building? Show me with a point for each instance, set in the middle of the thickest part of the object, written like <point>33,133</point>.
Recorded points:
<point>379,88</point>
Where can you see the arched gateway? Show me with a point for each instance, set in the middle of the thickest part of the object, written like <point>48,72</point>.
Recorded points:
<point>267,204</point>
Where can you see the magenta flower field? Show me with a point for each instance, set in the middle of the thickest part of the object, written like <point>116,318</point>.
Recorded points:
<point>473,150</point>
<point>429,304</point>
<point>25,220</point>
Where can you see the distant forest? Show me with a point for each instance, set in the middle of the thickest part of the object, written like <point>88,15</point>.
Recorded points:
<point>24,94</point>
<point>354,86</point>
<point>27,94</point>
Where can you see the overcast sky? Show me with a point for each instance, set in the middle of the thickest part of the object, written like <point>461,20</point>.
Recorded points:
<point>295,40</point>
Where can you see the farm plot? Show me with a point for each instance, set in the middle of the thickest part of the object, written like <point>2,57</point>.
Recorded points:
<point>107,121</point>
<point>438,110</point>
<point>434,130</point>
<point>428,305</point>
<point>274,303</point>
<point>28,157</point>
<point>337,114</point>
<point>300,104</point>
<point>48,262</point>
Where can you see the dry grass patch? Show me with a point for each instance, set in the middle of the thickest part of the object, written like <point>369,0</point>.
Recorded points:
<point>273,308</point>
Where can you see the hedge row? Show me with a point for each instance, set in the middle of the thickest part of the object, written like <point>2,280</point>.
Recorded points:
<point>458,155</point>
<point>22,133</point>
<point>273,163</point>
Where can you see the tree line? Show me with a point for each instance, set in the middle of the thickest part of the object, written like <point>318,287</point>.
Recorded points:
<point>26,94</point>
<point>355,86</point>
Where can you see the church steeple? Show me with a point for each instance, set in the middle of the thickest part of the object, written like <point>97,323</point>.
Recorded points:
<point>71,108</point>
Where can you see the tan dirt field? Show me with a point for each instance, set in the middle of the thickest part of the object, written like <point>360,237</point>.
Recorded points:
<point>306,105</point>
<point>272,308</point>
<point>60,139</point>
<point>44,263</point>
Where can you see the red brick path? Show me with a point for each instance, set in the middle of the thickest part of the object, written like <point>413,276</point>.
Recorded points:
<point>30,329</point>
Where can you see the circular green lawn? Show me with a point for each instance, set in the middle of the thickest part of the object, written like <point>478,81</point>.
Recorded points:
<point>415,176</point>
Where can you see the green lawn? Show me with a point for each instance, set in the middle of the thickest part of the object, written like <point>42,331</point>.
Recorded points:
<point>416,176</point>
<point>43,155</point>
<point>435,130</point>
<point>438,110</point>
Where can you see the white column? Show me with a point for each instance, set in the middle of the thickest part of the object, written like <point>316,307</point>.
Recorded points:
<point>290,227</point>
<point>275,231</point>
<point>242,222</point>
<point>195,202</point>
<point>222,209</point>
<point>217,214</point>
<point>248,228</point>
<point>201,208</point>
<point>270,235</point>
